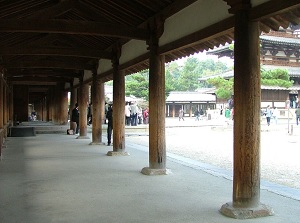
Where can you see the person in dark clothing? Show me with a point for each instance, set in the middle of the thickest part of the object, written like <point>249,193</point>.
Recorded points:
<point>109,117</point>
<point>75,117</point>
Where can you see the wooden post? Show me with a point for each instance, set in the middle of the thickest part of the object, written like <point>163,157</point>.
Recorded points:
<point>246,179</point>
<point>11,105</point>
<point>73,101</point>
<point>5,109</point>
<point>96,118</point>
<point>63,107</point>
<point>118,106</point>
<point>102,104</point>
<point>157,141</point>
<point>173,110</point>
<point>82,105</point>
<point>1,103</point>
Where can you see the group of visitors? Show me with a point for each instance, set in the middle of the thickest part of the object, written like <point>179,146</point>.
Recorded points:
<point>134,115</point>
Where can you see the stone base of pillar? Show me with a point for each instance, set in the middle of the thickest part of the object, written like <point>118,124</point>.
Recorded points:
<point>96,143</point>
<point>82,137</point>
<point>246,213</point>
<point>114,153</point>
<point>149,171</point>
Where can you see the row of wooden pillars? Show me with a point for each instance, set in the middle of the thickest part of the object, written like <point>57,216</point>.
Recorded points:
<point>6,110</point>
<point>246,181</point>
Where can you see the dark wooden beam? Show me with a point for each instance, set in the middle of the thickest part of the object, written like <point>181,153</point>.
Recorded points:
<point>49,64</point>
<point>34,89</point>
<point>85,53</point>
<point>41,72</point>
<point>32,83</point>
<point>73,27</point>
<point>39,79</point>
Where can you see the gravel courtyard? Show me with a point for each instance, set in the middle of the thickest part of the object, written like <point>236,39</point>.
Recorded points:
<point>280,151</point>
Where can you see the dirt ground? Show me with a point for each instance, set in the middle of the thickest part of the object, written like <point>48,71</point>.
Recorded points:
<point>280,151</point>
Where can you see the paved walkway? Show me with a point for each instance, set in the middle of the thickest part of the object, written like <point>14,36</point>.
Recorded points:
<point>58,178</point>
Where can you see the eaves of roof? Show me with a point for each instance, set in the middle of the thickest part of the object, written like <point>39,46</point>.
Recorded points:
<point>280,40</point>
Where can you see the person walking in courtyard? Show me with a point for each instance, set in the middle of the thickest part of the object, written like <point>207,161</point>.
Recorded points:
<point>109,116</point>
<point>297,115</point>
<point>197,115</point>
<point>75,117</point>
<point>275,114</point>
<point>268,114</point>
<point>181,114</point>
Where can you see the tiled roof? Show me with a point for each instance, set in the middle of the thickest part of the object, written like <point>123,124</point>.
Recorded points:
<point>293,88</point>
<point>280,40</point>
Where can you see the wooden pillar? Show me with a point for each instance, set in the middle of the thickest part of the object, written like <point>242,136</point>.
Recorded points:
<point>102,104</point>
<point>1,103</point>
<point>247,93</point>
<point>1,115</point>
<point>82,105</point>
<point>118,106</point>
<point>11,105</point>
<point>5,107</point>
<point>157,140</point>
<point>96,118</point>
<point>173,110</point>
<point>50,104</point>
<point>63,106</point>
<point>73,101</point>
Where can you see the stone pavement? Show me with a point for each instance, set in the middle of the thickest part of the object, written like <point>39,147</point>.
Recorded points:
<point>58,178</point>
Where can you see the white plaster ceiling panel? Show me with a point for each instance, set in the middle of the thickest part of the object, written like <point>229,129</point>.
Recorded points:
<point>195,17</point>
<point>103,66</point>
<point>258,2</point>
<point>87,75</point>
<point>133,49</point>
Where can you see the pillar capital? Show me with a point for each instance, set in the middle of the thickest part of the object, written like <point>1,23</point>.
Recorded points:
<point>116,54</point>
<point>81,77</point>
<point>156,28</point>
<point>238,5</point>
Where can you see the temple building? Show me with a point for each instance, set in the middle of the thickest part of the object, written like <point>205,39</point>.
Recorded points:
<point>279,50</point>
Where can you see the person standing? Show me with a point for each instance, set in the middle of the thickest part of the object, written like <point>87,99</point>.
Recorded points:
<point>275,114</point>
<point>146,115</point>
<point>127,114</point>
<point>89,114</point>
<point>297,114</point>
<point>109,117</point>
<point>133,113</point>
<point>181,114</point>
<point>75,117</point>
<point>268,113</point>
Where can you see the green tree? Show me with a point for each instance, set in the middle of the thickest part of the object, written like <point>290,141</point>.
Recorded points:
<point>277,77</point>
<point>137,85</point>
<point>188,80</point>
<point>224,88</point>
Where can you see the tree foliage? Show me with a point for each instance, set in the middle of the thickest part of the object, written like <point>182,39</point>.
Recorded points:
<point>277,77</point>
<point>177,78</point>
<point>137,85</point>
<point>224,88</point>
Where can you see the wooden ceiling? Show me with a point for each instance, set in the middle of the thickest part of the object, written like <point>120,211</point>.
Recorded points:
<point>45,42</point>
